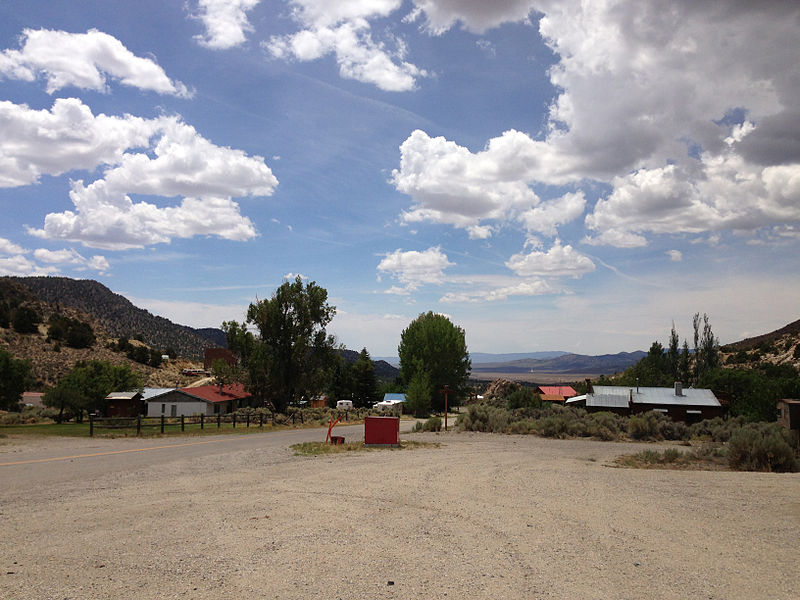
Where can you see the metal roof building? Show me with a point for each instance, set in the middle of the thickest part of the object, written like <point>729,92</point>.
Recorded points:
<point>681,404</point>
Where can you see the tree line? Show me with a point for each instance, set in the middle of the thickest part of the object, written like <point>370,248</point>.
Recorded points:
<point>286,355</point>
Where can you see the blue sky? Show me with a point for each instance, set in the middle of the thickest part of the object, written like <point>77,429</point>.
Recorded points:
<point>550,176</point>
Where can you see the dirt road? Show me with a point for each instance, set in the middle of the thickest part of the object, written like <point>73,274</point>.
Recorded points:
<point>481,516</point>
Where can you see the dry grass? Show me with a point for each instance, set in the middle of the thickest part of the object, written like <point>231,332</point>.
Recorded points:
<point>317,448</point>
<point>675,459</point>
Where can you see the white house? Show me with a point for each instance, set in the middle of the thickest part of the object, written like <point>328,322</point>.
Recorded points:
<point>203,400</point>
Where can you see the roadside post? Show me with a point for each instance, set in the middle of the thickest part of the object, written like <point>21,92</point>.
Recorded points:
<point>445,390</point>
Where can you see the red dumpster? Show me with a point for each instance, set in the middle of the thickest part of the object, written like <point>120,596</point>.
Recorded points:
<point>382,431</point>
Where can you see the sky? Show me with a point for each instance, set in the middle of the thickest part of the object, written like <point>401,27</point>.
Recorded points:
<point>551,175</point>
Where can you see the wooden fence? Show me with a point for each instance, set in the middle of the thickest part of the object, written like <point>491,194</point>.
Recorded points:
<point>164,423</point>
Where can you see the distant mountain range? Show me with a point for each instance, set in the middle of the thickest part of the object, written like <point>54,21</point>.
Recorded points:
<point>484,357</point>
<point>567,364</point>
<point>383,370</point>
<point>119,317</point>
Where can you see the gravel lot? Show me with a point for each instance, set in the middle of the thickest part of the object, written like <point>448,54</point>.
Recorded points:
<point>481,516</point>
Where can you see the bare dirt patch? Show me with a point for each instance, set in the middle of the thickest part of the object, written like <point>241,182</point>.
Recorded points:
<point>480,516</point>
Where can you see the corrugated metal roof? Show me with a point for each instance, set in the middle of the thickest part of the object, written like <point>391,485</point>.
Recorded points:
<point>394,397</point>
<point>607,401</point>
<point>148,393</point>
<point>651,395</point>
<point>122,395</point>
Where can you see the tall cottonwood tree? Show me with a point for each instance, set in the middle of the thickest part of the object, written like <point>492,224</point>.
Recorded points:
<point>432,343</point>
<point>289,358</point>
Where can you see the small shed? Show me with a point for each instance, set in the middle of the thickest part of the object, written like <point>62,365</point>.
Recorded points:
<point>789,414</point>
<point>124,404</point>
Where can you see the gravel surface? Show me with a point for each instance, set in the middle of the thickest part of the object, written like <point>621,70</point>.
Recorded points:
<point>481,516</point>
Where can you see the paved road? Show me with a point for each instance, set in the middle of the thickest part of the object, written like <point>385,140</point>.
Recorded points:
<point>31,465</point>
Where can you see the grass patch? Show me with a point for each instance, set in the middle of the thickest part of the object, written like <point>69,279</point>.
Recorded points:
<point>704,458</point>
<point>47,429</point>
<point>148,431</point>
<point>317,448</point>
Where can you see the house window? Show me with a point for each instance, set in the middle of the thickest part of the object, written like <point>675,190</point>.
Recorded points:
<point>173,410</point>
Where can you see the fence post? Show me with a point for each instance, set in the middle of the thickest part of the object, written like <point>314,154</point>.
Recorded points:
<point>91,425</point>
<point>273,418</point>
<point>248,420</point>
<point>234,420</point>
<point>219,420</point>
<point>261,419</point>
<point>138,424</point>
<point>202,419</point>
<point>162,423</point>
<point>292,418</point>
<point>182,424</point>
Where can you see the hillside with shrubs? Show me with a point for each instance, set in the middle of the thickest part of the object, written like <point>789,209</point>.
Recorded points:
<point>52,338</point>
<point>117,315</point>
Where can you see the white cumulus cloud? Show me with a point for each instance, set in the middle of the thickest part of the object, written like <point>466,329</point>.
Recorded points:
<point>413,268</point>
<point>84,60</point>
<point>451,185</point>
<point>693,139</point>
<point>559,261</point>
<point>343,29</point>
<point>14,260</point>
<point>64,138</point>
<point>225,21</point>
<point>162,157</point>
<point>474,15</point>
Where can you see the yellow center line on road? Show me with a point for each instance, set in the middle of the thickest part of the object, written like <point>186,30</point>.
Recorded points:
<point>55,458</point>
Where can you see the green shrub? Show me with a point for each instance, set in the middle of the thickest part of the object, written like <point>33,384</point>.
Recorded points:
<point>761,447</point>
<point>716,429</point>
<point>432,424</point>
<point>605,425</point>
<point>654,426</point>
<point>25,319</point>
<point>523,398</point>
<point>522,427</point>
<point>482,417</point>
<point>643,426</point>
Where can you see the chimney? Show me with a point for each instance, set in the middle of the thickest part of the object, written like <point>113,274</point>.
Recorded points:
<point>630,397</point>
<point>678,388</point>
<point>589,386</point>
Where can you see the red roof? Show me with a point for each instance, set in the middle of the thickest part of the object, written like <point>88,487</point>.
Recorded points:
<point>558,390</point>
<point>211,393</point>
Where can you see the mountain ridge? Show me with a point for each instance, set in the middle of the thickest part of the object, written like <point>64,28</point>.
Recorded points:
<point>119,316</point>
